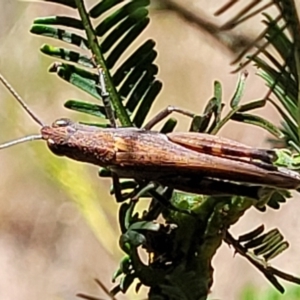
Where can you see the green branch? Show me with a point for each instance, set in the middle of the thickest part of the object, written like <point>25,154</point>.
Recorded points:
<point>95,48</point>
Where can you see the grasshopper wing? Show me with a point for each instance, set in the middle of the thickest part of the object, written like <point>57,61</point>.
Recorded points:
<point>218,146</point>
<point>152,156</point>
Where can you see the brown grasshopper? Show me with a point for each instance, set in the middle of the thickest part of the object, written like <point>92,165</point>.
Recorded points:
<point>188,161</point>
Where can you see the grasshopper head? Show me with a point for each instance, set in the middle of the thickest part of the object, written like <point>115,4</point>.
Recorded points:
<point>58,134</point>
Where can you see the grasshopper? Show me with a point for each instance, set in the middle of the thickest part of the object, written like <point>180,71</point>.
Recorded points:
<point>188,161</point>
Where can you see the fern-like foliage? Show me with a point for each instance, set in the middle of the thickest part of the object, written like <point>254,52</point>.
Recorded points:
<point>131,81</point>
<point>277,56</point>
<point>259,249</point>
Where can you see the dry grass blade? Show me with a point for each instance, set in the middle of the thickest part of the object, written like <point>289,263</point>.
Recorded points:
<point>243,15</point>
<point>225,7</point>
<point>254,43</point>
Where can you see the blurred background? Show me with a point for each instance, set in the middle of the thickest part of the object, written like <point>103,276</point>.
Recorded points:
<point>58,224</point>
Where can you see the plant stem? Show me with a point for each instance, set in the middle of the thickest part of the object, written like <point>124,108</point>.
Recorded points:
<point>95,48</point>
<point>225,120</point>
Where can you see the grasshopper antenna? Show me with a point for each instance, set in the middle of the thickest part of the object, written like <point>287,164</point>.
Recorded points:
<point>21,101</point>
<point>24,139</point>
<point>33,137</point>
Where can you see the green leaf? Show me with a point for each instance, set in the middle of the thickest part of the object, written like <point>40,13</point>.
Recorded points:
<point>145,225</point>
<point>67,55</point>
<point>125,185</point>
<point>239,90</point>
<point>141,87</point>
<point>169,126</point>
<point>252,234</point>
<point>126,42</point>
<point>86,107</point>
<point>196,124</point>
<point>95,124</point>
<point>252,105</point>
<point>258,121</point>
<point>104,173</point>
<point>280,41</point>
<point>82,79</point>
<point>126,282</point>
<point>218,91</point>
<point>59,20</point>
<point>289,125</point>
<point>60,34</point>
<point>146,103</point>
<point>143,56</point>
<point>133,238</point>
<point>200,123</point>
<point>269,245</point>
<point>121,29</point>
<point>276,199</point>
<point>131,9</point>
<point>263,239</point>
<point>70,3</point>
<point>276,251</point>
<point>133,78</point>
<point>102,7</point>
<point>283,96</point>
<point>286,159</point>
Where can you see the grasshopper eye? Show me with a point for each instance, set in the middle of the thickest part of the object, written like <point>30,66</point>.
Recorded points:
<point>62,123</point>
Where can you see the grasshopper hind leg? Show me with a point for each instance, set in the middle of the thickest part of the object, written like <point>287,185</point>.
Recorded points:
<point>166,112</point>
